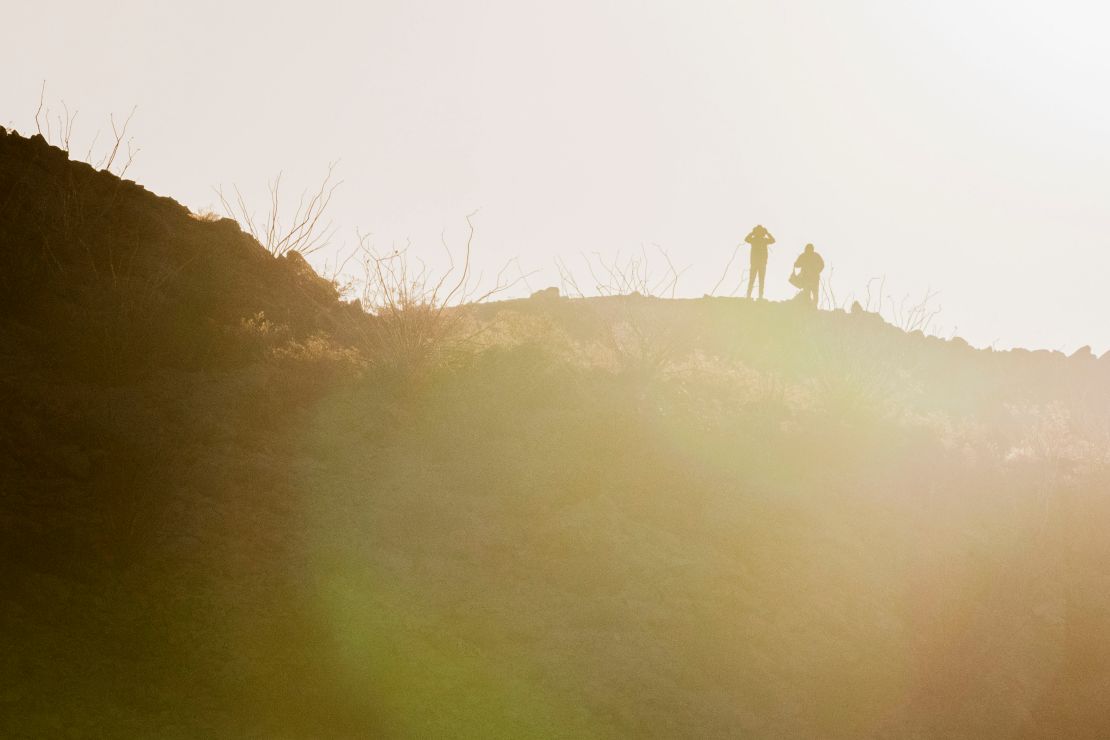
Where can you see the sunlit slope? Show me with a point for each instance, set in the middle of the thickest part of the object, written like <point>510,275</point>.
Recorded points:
<point>717,551</point>
<point>223,515</point>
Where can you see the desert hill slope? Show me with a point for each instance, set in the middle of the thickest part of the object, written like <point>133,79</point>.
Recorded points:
<point>224,514</point>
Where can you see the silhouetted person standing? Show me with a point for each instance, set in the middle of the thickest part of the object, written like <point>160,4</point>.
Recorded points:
<point>760,239</point>
<point>808,277</point>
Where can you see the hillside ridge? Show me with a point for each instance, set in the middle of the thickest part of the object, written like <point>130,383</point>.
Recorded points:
<point>224,512</point>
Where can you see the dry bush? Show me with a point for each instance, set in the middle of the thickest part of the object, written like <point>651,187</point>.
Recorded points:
<point>205,215</point>
<point>908,314</point>
<point>637,339</point>
<point>619,276</point>
<point>80,208</point>
<point>57,129</point>
<point>308,230</point>
<point>418,319</point>
<point>724,274</point>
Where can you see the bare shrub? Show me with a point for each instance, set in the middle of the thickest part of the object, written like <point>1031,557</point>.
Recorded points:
<point>307,230</point>
<point>568,283</point>
<point>827,297</point>
<point>909,314</point>
<point>636,337</point>
<point>906,314</point>
<point>334,271</point>
<point>631,275</point>
<point>75,212</point>
<point>912,315</point>
<point>419,318</point>
<point>724,274</point>
<point>79,210</point>
<point>57,128</point>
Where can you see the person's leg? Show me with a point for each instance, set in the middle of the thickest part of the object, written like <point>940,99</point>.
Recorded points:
<point>751,278</point>
<point>762,277</point>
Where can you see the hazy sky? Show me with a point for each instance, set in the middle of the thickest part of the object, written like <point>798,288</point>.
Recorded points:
<point>961,144</point>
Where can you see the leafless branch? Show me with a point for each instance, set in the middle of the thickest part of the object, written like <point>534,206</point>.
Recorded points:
<point>118,134</point>
<point>307,230</point>
<point>38,111</point>
<point>724,273</point>
<point>417,316</point>
<point>567,283</point>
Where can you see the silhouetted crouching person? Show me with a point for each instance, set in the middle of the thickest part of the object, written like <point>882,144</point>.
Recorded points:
<point>760,239</point>
<point>808,269</point>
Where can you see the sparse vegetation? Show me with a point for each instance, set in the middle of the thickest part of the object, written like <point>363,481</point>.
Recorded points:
<point>728,518</point>
<point>207,215</point>
<point>305,231</point>
<point>418,318</point>
<point>57,128</point>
